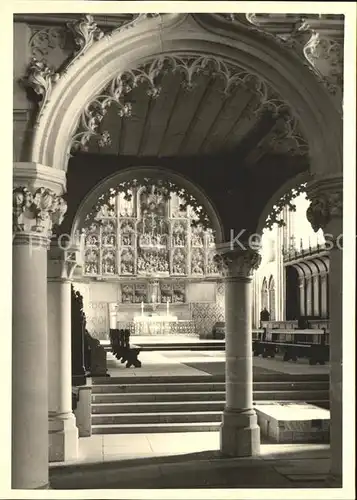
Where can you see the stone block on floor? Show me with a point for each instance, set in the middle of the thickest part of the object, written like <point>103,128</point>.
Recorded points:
<point>293,422</point>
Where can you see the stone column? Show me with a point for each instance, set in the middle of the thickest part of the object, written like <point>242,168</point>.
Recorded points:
<point>63,432</point>
<point>325,212</point>
<point>36,208</point>
<point>302,306</point>
<point>316,294</point>
<point>324,307</point>
<point>309,296</point>
<point>240,433</point>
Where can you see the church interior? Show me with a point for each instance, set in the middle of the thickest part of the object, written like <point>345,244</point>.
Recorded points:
<point>177,222</point>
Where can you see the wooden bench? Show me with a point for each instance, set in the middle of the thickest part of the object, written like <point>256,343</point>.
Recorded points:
<point>293,344</point>
<point>121,348</point>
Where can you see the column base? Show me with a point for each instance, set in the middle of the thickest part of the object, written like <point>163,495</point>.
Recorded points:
<point>63,438</point>
<point>240,434</point>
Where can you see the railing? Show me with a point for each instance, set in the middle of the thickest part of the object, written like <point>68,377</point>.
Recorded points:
<point>296,254</point>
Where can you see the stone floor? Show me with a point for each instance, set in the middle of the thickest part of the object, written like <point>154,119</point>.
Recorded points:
<point>188,460</point>
<point>173,362</point>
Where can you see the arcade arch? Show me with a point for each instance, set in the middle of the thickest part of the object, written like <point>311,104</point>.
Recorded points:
<point>320,122</point>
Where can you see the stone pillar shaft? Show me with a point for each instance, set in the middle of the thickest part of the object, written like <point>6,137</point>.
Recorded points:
<point>37,206</point>
<point>325,212</point>
<point>29,363</point>
<point>59,353</point>
<point>240,434</point>
<point>239,371</point>
<point>336,360</point>
<point>63,437</point>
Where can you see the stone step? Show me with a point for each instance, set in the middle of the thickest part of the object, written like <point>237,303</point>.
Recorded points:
<point>155,407</point>
<point>153,387</point>
<point>204,387</point>
<point>156,418</point>
<point>148,397</point>
<point>183,398</point>
<point>156,428</point>
<point>186,379</point>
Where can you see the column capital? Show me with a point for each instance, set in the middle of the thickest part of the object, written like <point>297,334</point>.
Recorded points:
<point>62,262</point>
<point>37,202</point>
<point>237,263</point>
<point>326,207</point>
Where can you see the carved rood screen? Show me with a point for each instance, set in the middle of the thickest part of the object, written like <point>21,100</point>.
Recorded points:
<point>146,231</point>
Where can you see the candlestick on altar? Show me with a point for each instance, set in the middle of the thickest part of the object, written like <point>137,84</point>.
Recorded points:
<point>142,308</point>
<point>167,307</point>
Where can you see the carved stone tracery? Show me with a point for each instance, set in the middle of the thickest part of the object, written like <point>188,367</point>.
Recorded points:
<point>38,211</point>
<point>116,93</point>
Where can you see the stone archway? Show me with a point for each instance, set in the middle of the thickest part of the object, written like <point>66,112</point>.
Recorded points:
<point>310,103</point>
<point>64,99</point>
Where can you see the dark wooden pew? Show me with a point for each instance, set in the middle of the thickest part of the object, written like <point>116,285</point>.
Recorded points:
<point>293,344</point>
<point>121,348</point>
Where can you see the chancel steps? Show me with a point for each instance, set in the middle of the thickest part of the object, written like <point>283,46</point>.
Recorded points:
<point>192,404</point>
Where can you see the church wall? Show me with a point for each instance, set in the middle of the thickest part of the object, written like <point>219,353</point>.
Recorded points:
<point>21,105</point>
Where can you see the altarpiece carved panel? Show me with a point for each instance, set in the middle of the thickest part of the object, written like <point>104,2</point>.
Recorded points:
<point>143,233</point>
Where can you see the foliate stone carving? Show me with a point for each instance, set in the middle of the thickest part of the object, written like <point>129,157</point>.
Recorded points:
<point>238,263</point>
<point>325,54</point>
<point>317,39</point>
<point>288,139</point>
<point>134,21</point>
<point>189,67</point>
<point>85,31</point>
<point>40,78</point>
<point>51,46</point>
<point>323,208</point>
<point>39,211</point>
<point>287,200</point>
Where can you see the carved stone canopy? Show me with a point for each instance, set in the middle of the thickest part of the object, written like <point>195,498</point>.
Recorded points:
<point>238,263</point>
<point>38,210</point>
